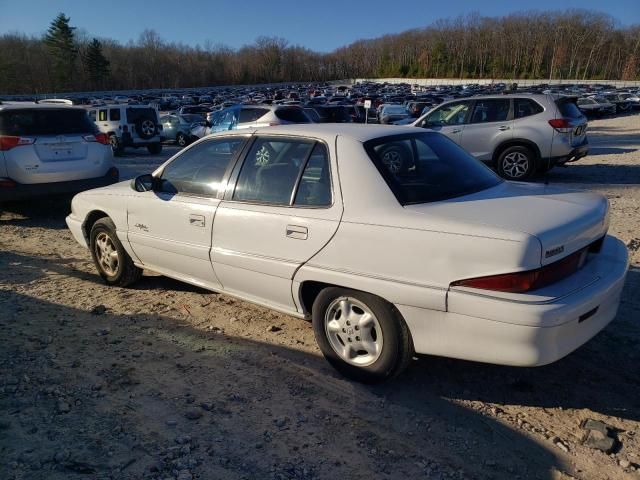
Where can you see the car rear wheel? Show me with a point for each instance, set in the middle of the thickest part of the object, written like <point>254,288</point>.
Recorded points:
<point>181,140</point>
<point>154,148</point>
<point>516,163</point>
<point>114,264</point>
<point>361,335</point>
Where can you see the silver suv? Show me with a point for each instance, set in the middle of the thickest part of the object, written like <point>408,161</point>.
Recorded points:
<point>518,135</point>
<point>50,149</point>
<point>129,126</point>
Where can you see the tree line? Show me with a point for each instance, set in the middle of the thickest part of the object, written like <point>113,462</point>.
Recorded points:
<point>574,44</point>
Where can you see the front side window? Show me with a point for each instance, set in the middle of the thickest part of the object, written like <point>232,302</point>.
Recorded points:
<point>201,168</point>
<point>428,167</point>
<point>490,110</point>
<point>450,114</point>
<point>272,169</point>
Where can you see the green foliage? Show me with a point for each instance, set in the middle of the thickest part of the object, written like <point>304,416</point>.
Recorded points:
<point>60,42</point>
<point>96,64</point>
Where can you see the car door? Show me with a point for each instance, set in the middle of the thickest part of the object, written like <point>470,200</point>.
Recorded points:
<point>448,119</point>
<point>169,228</point>
<point>489,125</point>
<point>281,209</point>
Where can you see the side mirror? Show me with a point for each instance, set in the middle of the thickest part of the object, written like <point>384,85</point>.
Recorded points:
<point>143,183</point>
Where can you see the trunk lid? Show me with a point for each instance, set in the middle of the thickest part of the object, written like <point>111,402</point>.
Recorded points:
<point>563,221</point>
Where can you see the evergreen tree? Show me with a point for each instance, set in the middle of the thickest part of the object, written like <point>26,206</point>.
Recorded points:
<point>96,64</point>
<point>60,42</point>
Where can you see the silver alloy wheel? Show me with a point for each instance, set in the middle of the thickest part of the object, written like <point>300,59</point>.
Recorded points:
<point>353,331</point>
<point>392,160</point>
<point>107,254</point>
<point>182,140</point>
<point>148,128</point>
<point>515,164</point>
<point>262,156</point>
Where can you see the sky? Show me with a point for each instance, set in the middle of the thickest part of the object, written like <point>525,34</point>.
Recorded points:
<point>321,26</point>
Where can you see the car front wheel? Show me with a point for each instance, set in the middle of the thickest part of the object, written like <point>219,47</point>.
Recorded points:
<point>181,140</point>
<point>516,163</point>
<point>114,264</point>
<point>361,335</point>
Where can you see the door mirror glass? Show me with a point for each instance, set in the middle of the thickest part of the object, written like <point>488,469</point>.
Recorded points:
<point>143,183</point>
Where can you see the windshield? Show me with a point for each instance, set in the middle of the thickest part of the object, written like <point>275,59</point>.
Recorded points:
<point>428,167</point>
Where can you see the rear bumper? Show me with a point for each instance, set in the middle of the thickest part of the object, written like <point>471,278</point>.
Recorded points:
<point>527,334</point>
<point>574,155</point>
<point>22,191</point>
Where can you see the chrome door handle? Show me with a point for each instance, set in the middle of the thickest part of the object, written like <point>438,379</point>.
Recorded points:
<point>457,130</point>
<point>297,232</point>
<point>196,220</point>
<point>503,128</point>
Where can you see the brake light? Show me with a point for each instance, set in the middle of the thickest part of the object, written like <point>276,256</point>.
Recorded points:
<point>560,124</point>
<point>7,183</point>
<point>8,142</point>
<point>521,282</point>
<point>102,138</point>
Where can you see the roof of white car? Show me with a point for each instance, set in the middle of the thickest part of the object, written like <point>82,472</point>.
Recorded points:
<point>329,131</point>
<point>39,106</point>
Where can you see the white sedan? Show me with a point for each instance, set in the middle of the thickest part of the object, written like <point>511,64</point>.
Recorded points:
<point>391,241</point>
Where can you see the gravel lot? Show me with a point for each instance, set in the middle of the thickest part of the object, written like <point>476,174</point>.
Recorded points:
<point>167,381</point>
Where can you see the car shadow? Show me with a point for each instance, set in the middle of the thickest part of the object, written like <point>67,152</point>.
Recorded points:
<point>48,212</point>
<point>600,376</point>
<point>595,150</point>
<point>600,175</point>
<point>133,385</point>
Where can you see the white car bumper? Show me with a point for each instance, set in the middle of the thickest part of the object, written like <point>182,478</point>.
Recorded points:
<point>75,226</point>
<point>488,329</point>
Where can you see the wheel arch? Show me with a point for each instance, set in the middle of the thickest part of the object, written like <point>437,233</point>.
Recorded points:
<point>91,218</point>
<point>516,142</point>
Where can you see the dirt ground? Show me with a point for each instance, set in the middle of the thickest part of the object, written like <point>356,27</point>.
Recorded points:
<point>172,382</point>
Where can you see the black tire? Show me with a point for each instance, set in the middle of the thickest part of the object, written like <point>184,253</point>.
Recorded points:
<point>146,128</point>
<point>154,148</point>
<point>124,273</point>
<point>395,158</point>
<point>116,145</point>
<point>182,140</point>
<point>517,163</point>
<point>397,347</point>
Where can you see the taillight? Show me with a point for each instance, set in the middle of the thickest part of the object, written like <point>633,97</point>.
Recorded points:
<point>560,124</point>
<point>8,142</point>
<point>102,138</point>
<point>7,183</point>
<point>521,282</point>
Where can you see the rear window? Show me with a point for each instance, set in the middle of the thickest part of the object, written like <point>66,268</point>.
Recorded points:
<point>251,114</point>
<point>295,115</point>
<point>428,167</point>
<point>50,121</point>
<point>568,109</point>
<point>136,114</point>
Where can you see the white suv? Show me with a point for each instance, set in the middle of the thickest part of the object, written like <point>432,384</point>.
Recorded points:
<point>51,149</point>
<point>129,126</point>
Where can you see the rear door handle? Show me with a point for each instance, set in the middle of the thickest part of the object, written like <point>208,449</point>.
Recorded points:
<point>297,232</point>
<point>503,128</point>
<point>457,130</point>
<point>196,220</point>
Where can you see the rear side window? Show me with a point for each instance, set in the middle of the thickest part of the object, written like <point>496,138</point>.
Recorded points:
<point>271,170</point>
<point>200,169</point>
<point>114,114</point>
<point>428,167</point>
<point>525,107</point>
<point>568,109</point>
<point>314,189</point>
<point>490,110</point>
<point>50,121</point>
<point>295,115</point>
<point>248,115</point>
